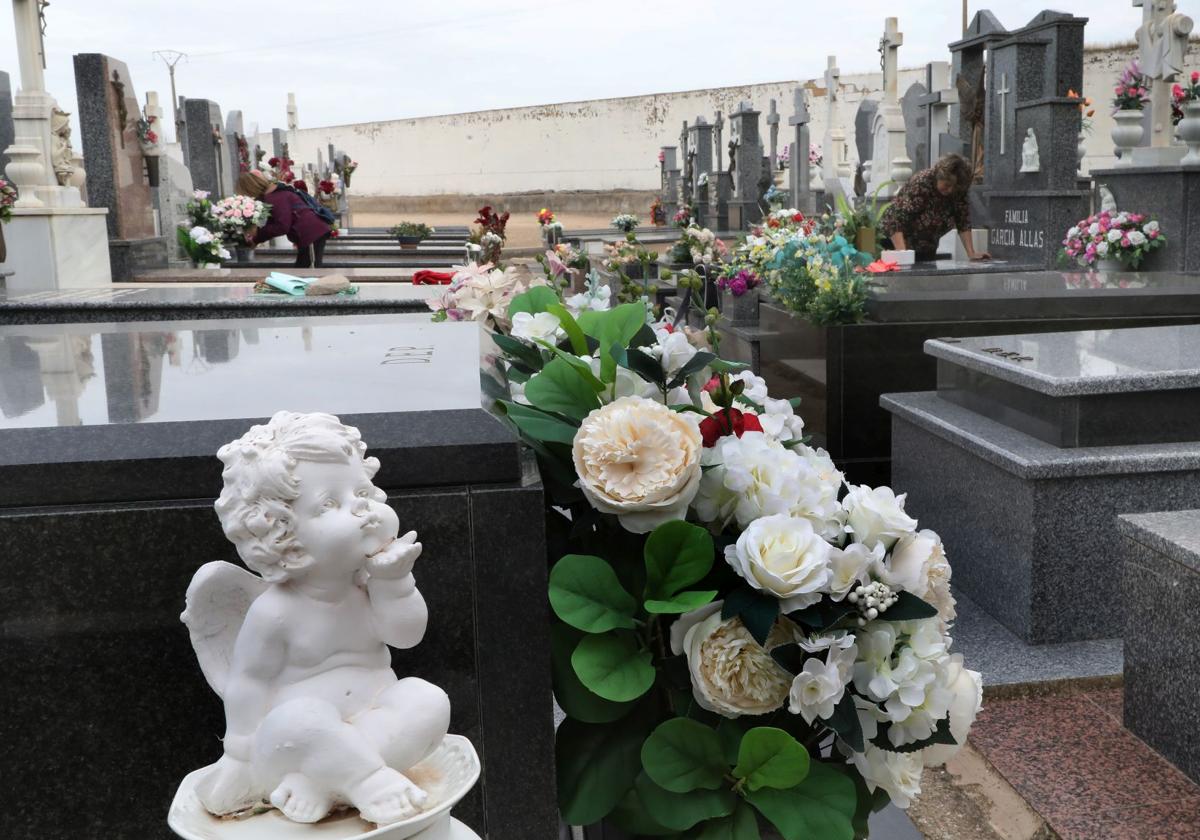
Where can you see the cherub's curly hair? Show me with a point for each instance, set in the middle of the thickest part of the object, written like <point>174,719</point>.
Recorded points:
<point>255,506</point>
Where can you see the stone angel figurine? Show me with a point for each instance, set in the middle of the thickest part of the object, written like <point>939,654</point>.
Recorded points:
<point>315,717</point>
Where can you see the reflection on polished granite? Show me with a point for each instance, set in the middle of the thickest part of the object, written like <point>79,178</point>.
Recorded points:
<point>1084,362</point>
<point>99,374</point>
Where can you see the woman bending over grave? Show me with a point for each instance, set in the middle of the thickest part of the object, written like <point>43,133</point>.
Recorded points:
<point>291,216</point>
<point>932,203</point>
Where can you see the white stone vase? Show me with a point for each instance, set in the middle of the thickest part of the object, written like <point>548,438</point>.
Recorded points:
<point>1109,265</point>
<point>1189,131</point>
<point>1127,133</point>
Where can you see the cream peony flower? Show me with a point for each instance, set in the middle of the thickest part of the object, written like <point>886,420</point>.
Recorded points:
<point>783,556</point>
<point>918,564</point>
<point>731,674</point>
<point>639,460</point>
<point>876,515</point>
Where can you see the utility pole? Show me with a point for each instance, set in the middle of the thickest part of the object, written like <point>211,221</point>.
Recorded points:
<point>964,18</point>
<point>171,58</point>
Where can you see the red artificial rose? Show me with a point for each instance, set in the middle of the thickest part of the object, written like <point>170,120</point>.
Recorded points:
<point>726,422</point>
<point>273,161</point>
<point>799,217</point>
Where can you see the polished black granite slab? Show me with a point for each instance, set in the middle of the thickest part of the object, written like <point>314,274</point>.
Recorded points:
<point>163,302</point>
<point>111,412</point>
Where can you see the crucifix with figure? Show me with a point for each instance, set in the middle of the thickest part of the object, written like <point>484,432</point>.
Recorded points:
<point>1162,41</point>
<point>719,131</point>
<point>773,122</point>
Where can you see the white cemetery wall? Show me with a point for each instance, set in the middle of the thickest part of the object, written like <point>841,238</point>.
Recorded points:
<point>606,144</point>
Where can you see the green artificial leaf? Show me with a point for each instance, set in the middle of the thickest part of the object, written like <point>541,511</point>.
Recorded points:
<point>724,366</point>
<point>519,352</point>
<point>677,554</point>
<point>824,614</point>
<point>585,593</point>
<point>731,731</point>
<point>823,805</point>
<point>640,363</point>
<point>614,666</point>
<point>539,425</point>
<point>561,389</point>
<point>681,602</point>
<point>695,364</point>
<point>595,767</point>
<point>941,735</point>
<point>645,337</point>
<point>756,610</point>
<point>538,299</point>
<point>681,811</point>
<point>573,696</point>
<point>682,755</point>
<point>613,327</point>
<point>578,364</point>
<point>630,816</point>
<point>868,802</point>
<point>790,657</point>
<point>740,825</point>
<point>908,607</point>
<point>846,724</point>
<point>571,328</point>
<point>771,758</point>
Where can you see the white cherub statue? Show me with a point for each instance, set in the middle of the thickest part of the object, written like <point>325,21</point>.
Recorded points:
<point>315,717</point>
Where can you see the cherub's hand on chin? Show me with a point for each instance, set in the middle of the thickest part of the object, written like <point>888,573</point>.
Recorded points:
<point>396,559</point>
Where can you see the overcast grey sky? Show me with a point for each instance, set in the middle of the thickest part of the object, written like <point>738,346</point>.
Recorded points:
<point>354,61</point>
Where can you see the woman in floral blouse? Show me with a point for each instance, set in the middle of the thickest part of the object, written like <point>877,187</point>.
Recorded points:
<point>933,202</point>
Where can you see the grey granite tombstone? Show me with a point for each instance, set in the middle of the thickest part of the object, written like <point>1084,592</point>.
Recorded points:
<point>116,166</point>
<point>235,133</point>
<point>700,141</point>
<point>6,119</point>
<point>864,117</point>
<point>936,105</point>
<point>773,133</point>
<point>916,125</point>
<point>745,207</point>
<point>1160,589</point>
<point>205,147</point>
<point>1029,73</point>
<point>1028,451</point>
<point>719,136</point>
<point>108,487</point>
<point>968,75</point>
<point>799,179</point>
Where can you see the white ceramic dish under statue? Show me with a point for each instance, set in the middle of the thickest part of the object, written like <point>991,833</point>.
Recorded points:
<point>900,257</point>
<point>447,776</point>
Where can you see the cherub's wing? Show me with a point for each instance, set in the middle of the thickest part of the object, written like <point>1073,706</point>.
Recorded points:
<point>218,598</point>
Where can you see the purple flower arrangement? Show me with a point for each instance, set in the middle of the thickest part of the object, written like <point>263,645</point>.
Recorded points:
<point>738,283</point>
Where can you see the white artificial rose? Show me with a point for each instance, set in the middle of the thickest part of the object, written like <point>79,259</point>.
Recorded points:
<point>749,477</point>
<point>876,515</point>
<point>780,421</point>
<point>899,774</point>
<point>1072,233</point>
<point>1094,228</point>
<point>820,686</point>
<point>785,557</point>
<point>674,351</point>
<point>967,690</point>
<point>1150,227</point>
<point>639,460</point>
<point>756,386</point>
<point>1102,248</point>
<point>543,326</point>
<point>1136,237</point>
<point>822,484</point>
<point>918,564</point>
<point>851,567</point>
<point>1114,236</point>
<point>731,674</point>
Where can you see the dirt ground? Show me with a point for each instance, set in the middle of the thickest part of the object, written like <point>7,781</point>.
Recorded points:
<point>523,230</point>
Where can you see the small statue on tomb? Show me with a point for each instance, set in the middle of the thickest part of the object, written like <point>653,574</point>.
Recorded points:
<point>972,100</point>
<point>62,156</point>
<point>1030,160</point>
<point>315,717</point>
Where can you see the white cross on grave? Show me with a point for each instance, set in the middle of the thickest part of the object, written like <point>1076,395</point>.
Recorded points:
<point>1003,93</point>
<point>832,74</point>
<point>889,46</point>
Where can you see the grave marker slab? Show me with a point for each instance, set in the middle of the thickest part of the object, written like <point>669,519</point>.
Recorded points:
<point>7,136</point>
<point>205,153</point>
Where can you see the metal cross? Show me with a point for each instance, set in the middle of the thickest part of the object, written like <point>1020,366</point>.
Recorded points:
<point>1003,93</point>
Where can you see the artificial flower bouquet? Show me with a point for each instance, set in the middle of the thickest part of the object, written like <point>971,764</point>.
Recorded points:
<point>819,275</point>
<point>683,217</point>
<point>698,246</point>
<point>1112,235</point>
<point>815,157</point>
<point>545,217</point>
<point>1183,94</point>
<point>1132,90</point>
<point>626,223</point>
<point>741,640</point>
<point>8,197</point>
<point>738,280</point>
<point>236,214</point>
<point>202,246</point>
<point>146,135</point>
<point>1086,111</point>
<point>658,213</point>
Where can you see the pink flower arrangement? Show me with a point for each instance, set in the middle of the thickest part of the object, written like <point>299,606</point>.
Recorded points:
<point>1111,235</point>
<point>1132,90</point>
<point>237,213</point>
<point>683,217</point>
<point>739,282</point>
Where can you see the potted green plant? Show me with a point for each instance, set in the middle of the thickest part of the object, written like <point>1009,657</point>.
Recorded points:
<point>410,234</point>
<point>862,221</point>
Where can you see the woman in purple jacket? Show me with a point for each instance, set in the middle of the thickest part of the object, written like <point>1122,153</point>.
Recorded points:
<point>290,217</point>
